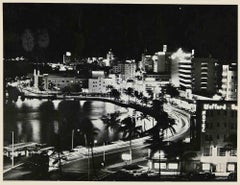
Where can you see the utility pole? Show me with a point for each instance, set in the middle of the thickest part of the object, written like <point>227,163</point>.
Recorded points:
<point>85,138</point>
<point>13,149</point>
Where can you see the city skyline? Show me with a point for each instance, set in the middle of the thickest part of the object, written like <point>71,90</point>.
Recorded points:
<point>120,92</point>
<point>129,30</point>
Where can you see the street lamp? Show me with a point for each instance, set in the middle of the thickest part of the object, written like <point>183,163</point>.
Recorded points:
<point>95,142</point>
<point>126,157</point>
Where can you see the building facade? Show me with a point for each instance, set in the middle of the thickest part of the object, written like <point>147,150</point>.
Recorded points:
<point>204,76</point>
<point>100,85</point>
<point>229,82</point>
<point>60,82</point>
<point>217,136</point>
<point>181,69</point>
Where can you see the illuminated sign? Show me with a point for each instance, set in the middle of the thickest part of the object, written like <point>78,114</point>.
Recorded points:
<point>203,121</point>
<point>216,106</point>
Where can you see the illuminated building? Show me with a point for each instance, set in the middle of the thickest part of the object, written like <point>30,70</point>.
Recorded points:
<point>216,124</point>
<point>36,75</point>
<point>181,69</point>
<point>229,82</point>
<point>204,76</point>
<point>60,81</point>
<point>129,69</point>
<point>147,63</point>
<point>100,85</point>
<point>161,62</point>
<point>196,75</point>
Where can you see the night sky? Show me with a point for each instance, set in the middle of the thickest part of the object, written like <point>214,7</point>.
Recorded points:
<point>48,30</point>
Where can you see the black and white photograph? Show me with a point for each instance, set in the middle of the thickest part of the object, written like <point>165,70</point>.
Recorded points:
<point>119,92</point>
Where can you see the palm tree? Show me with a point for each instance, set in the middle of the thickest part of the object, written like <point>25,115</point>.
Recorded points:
<point>111,122</point>
<point>129,92</point>
<point>143,117</point>
<point>115,93</point>
<point>163,123</point>
<point>129,127</point>
<point>88,130</point>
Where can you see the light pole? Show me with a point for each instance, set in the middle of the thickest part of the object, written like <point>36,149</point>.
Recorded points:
<point>72,137</point>
<point>85,138</point>
<point>13,149</point>
<point>95,142</point>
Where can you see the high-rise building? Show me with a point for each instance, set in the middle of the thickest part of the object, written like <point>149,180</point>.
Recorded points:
<point>161,62</point>
<point>147,63</point>
<point>128,69</point>
<point>229,82</point>
<point>109,58</point>
<point>181,69</point>
<point>204,76</point>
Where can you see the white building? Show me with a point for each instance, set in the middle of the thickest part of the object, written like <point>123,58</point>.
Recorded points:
<point>129,69</point>
<point>229,82</point>
<point>100,85</point>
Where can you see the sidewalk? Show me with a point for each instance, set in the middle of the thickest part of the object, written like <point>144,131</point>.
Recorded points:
<point>116,167</point>
<point>7,164</point>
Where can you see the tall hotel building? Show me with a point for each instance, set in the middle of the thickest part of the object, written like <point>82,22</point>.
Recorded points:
<point>204,76</point>
<point>216,124</point>
<point>181,69</point>
<point>199,75</point>
<point>229,82</point>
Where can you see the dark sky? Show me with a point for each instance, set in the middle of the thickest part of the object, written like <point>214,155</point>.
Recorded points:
<point>91,30</point>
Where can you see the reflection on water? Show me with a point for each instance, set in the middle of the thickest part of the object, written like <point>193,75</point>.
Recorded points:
<point>52,122</point>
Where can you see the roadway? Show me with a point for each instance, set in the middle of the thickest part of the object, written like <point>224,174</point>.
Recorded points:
<point>113,152</point>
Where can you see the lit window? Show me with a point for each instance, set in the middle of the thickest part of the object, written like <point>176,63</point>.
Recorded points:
<point>173,166</point>
<point>230,167</point>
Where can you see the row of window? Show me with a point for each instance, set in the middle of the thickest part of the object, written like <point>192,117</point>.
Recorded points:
<point>220,152</point>
<point>98,86</point>
<point>221,112</point>
<point>210,125</point>
<point>209,137</point>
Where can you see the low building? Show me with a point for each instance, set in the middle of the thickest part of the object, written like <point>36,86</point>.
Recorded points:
<point>100,85</point>
<point>158,76</point>
<point>60,82</point>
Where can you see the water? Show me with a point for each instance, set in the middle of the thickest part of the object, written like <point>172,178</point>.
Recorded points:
<point>52,122</point>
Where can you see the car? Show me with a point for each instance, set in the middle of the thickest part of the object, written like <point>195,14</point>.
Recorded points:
<point>200,176</point>
<point>232,176</point>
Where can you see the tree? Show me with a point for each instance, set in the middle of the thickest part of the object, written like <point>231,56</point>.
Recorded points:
<point>111,122</point>
<point>136,94</point>
<point>172,91</point>
<point>164,123</point>
<point>129,92</point>
<point>130,131</point>
<point>86,127</point>
<point>13,93</point>
<point>143,117</point>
